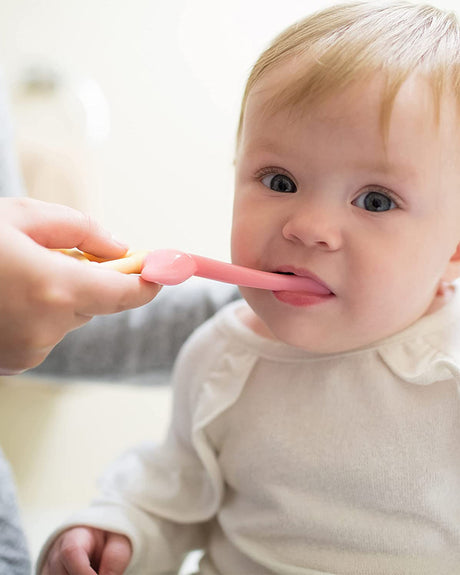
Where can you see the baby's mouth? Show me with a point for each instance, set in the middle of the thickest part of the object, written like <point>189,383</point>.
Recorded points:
<point>312,281</point>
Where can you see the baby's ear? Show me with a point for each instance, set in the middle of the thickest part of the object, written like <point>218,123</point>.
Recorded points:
<point>453,267</point>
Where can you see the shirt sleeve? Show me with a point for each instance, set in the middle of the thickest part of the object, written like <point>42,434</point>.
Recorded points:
<point>161,533</point>
<point>162,497</point>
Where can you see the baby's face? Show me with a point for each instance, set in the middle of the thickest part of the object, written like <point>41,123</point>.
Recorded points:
<point>318,193</point>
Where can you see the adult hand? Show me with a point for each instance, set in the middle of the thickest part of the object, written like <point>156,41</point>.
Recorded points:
<point>45,294</point>
<point>88,551</point>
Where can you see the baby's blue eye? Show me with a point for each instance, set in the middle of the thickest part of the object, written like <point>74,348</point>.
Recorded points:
<point>279,183</point>
<point>375,202</point>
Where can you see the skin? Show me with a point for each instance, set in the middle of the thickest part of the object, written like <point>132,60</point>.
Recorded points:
<point>386,269</point>
<point>44,294</point>
<point>88,551</point>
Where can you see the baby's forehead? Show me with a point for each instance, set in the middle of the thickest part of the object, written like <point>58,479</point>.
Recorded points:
<point>277,93</point>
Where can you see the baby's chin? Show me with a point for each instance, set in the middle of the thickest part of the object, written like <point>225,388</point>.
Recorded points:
<point>310,339</point>
<point>285,335</point>
<point>328,328</point>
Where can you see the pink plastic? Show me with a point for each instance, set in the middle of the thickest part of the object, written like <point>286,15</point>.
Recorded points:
<point>172,267</point>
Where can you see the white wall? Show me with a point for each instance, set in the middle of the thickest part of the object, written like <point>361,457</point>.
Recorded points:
<point>172,72</point>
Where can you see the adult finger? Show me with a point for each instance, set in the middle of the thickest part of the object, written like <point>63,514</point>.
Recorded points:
<point>58,226</point>
<point>95,289</point>
<point>116,555</point>
<point>102,291</point>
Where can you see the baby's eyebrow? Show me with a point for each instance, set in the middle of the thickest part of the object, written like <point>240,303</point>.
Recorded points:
<point>378,164</point>
<point>274,150</point>
<point>401,170</point>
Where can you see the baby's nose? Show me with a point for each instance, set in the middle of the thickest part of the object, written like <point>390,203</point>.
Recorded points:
<point>314,226</point>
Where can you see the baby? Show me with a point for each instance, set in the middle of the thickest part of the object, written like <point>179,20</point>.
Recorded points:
<point>318,433</point>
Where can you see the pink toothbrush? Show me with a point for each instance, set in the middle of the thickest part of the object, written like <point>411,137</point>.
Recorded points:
<point>172,267</point>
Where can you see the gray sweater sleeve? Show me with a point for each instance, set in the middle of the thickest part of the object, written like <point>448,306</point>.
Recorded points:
<point>14,556</point>
<point>139,344</point>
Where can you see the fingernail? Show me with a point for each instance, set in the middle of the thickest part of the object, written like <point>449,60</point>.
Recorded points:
<point>123,245</point>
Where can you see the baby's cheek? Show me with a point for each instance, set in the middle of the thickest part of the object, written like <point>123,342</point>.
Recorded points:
<point>242,242</point>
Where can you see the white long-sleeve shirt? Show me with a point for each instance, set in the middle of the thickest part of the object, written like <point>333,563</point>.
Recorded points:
<point>280,461</point>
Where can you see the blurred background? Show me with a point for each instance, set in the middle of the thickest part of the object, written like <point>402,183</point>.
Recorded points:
<point>127,110</point>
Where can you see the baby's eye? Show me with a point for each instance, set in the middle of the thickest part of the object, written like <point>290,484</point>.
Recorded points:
<point>279,183</point>
<point>374,201</point>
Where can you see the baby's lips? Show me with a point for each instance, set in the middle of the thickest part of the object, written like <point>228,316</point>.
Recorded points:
<point>310,285</point>
<point>306,280</point>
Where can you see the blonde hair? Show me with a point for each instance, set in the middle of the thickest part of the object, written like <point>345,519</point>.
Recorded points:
<point>350,42</point>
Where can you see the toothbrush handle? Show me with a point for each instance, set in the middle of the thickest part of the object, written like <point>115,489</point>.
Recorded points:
<point>247,277</point>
